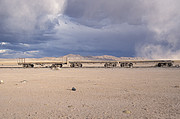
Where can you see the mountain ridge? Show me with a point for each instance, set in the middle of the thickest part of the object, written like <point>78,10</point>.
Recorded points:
<point>102,57</point>
<point>79,57</point>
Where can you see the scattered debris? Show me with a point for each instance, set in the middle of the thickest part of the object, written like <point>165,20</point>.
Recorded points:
<point>177,66</point>
<point>24,81</point>
<point>1,82</point>
<point>73,89</point>
<point>70,106</point>
<point>84,105</point>
<point>144,109</point>
<point>176,86</point>
<point>126,90</point>
<point>126,111</point>
<point>56,68</point>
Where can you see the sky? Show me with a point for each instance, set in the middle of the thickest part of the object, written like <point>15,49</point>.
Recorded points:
<point>123,28</point>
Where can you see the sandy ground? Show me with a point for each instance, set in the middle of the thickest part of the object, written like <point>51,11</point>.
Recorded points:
<point>138,93</point>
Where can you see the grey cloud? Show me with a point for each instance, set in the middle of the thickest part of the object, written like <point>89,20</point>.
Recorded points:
<point>105,12</point>
<point>25,22</point>
<point>25,15</point>
<point>114,39</point>
<point>160,17</point>
<point>164,22</point>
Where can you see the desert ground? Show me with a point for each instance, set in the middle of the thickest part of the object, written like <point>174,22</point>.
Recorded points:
<point>104,93</point>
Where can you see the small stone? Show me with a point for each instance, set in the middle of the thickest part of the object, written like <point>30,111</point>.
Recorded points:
<point>176,86</point>
<point>1,82</point>
<point>73,89</point>
<point>24,81</point>
<point>70,106</point>
<point>126,111</point>
<point>144,109</point>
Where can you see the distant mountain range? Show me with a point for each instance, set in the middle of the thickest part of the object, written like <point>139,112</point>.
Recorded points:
<point>79,57</point>
<point>74,57</point>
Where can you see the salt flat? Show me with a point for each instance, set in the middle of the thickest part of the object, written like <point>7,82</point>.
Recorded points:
<point>141,93</point>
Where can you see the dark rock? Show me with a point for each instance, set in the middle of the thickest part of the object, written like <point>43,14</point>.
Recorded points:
<point>126,111</point>
<point>73,89</point>
<point>176,86</point>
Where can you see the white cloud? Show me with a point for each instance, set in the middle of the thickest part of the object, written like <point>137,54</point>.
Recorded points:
<point>4,43</point>
<point>158,52</point>
<point>18,54</point>
<point>3,51</point>
<point>24,44</point>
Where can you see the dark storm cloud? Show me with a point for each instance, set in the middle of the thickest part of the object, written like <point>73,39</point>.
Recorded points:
<point>161,18</point>
<point>90,27</point>
<point>103,12</point>
<point>25,22</point>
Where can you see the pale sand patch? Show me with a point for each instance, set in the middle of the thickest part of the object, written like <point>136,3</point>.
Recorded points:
<point>140,93</point>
